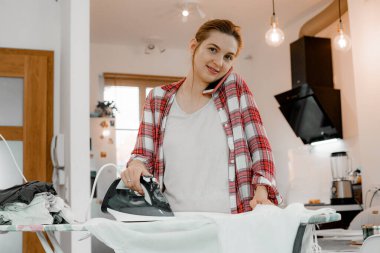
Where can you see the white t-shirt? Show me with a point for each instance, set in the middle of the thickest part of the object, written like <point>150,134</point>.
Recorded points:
<point>196,161</point>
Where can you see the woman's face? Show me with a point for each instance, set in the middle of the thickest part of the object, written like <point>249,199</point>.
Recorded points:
<point>214,56</point>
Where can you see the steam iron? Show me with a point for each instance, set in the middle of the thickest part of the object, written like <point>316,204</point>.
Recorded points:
<point>127,205</point>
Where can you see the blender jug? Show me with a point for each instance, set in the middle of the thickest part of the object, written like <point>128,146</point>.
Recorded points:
<point>340,166</point>
<point>341,189</point>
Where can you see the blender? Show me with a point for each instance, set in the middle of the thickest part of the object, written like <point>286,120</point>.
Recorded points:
<point>341,190</point>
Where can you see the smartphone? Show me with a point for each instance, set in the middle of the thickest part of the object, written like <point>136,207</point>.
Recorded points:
<point>213,86</point>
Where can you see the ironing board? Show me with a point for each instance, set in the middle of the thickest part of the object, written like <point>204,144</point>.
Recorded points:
<point>310,223</point>
<point>50,229</point>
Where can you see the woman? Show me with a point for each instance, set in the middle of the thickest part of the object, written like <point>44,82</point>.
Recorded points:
<point>206,145</point>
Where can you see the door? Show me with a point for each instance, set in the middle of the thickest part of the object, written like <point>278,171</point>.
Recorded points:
<point>26,116</point>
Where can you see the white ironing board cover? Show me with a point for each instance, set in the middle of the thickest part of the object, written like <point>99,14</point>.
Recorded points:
<point>314,219</point>
<point>39,227</point>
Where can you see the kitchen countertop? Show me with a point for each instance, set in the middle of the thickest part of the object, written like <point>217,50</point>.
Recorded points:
<point>338,208</point>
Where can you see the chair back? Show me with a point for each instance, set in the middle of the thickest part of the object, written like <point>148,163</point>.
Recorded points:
<point>366,217</point>
<point>371,244</point>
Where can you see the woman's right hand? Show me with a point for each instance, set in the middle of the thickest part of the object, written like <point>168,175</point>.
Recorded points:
<point>131,175</point>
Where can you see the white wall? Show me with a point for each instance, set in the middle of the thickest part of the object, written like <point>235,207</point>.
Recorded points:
<point>344,81</point>
<point>33,25</point>
<point>27,25</point>
<point>364,20</point>
<point>75,113</point>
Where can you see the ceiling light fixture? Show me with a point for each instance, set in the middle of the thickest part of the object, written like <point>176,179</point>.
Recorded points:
<point>191,6</point>
<point>185,12</point>
<point>153,45</point>
<point>341,41</point>
<point>274,36</point>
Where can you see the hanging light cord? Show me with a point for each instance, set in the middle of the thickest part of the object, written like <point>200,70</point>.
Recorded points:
<point>274,14</point>
<point>340,15</point>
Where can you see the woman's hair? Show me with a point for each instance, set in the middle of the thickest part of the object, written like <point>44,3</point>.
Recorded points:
<point>221,25</point>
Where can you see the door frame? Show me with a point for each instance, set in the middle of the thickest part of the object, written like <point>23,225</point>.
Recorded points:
<point>36,67</point>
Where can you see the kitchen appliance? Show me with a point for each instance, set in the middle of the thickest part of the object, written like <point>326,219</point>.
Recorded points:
<point>127,205</point>
<point>312,107</point>
<point>313,113</point>
<point>369,230</point>
<point>341,189</point>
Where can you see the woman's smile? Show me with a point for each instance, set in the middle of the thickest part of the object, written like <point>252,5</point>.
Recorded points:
<point>212,70</point>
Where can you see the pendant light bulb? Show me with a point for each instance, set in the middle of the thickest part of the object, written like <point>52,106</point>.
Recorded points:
<point>274,36</point>
<point>341,41</point>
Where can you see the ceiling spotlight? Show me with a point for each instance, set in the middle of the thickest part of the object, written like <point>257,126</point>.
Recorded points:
<point>189,7</point>
<point>151,48</point>
<point>185,12</point>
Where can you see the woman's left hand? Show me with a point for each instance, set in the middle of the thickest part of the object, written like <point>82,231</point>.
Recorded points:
<point>260,197</point>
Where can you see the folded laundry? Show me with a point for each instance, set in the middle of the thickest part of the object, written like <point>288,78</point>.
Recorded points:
<point>53,203</point>
<point>58,219</point>
<point>34,213</point>
<point>45,208</point>
<point>4,221</point>
<point>24,193</point>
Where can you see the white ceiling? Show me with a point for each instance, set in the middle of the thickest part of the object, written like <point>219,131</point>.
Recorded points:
<point>133,22</point>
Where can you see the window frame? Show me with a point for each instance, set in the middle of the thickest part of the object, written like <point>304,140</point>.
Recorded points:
<point>140,81</point>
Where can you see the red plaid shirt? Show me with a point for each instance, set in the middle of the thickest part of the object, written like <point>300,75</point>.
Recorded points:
<point>250,155</point>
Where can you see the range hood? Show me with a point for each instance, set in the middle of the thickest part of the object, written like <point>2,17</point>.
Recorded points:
<point>312,107</point>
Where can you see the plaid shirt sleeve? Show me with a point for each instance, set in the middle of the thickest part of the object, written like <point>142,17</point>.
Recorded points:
<point>144,148</point>
<point>258,144</point>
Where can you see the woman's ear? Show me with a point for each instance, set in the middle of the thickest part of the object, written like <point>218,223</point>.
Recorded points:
<point>193,45</point>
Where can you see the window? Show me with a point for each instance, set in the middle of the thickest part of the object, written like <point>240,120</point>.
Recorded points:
<point>129,93</point>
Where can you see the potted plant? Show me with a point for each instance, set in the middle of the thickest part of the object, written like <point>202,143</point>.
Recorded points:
<point>105,109</point>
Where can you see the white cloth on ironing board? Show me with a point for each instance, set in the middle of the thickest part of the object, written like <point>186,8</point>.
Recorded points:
<point>185,235</point>
<point>267,229</point>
